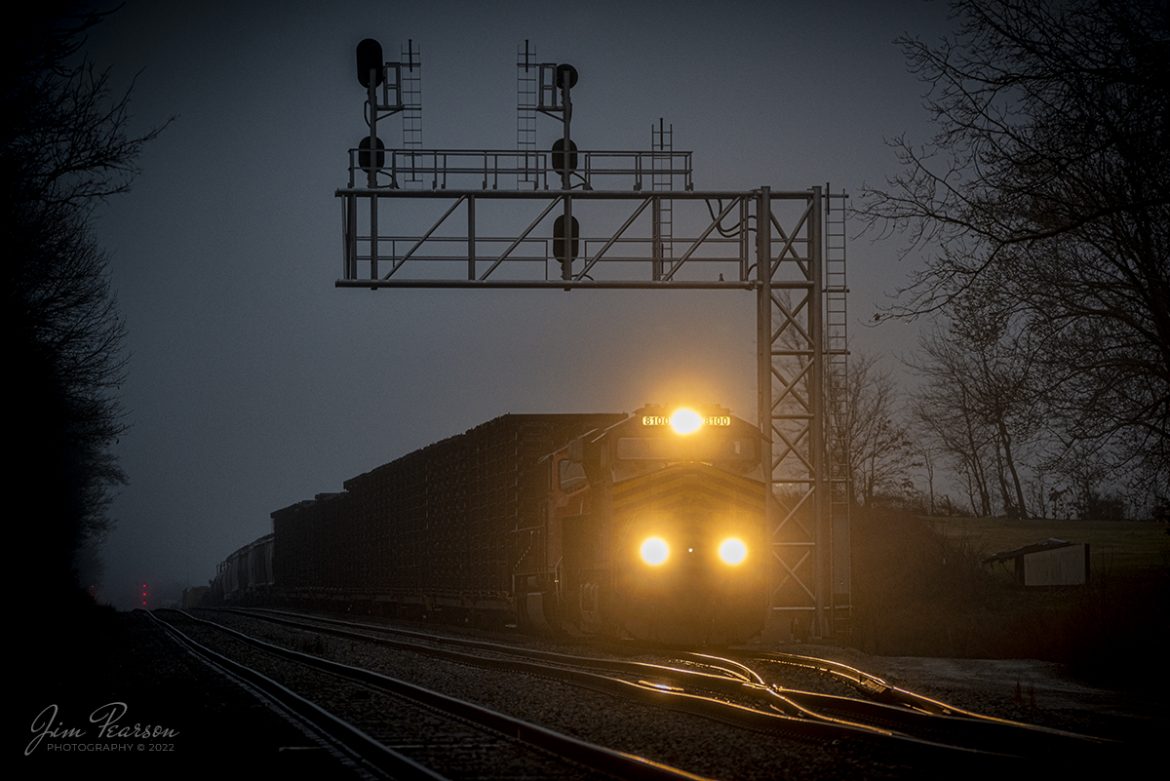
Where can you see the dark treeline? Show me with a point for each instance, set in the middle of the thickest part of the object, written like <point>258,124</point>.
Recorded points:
<point>63,147</point>
<point>1042,205</point>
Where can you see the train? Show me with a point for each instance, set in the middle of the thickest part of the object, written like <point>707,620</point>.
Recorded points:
<point>648,526</point>
<point>245,574</point>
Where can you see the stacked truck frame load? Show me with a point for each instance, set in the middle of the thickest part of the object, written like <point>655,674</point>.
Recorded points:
<point>308,545</point>
<point>436,529</point>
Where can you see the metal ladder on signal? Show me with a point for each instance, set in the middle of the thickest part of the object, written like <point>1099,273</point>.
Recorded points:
<point>411,96</point>
<point>526,76</point>
<point>837,376</point>
<point>662,180</point>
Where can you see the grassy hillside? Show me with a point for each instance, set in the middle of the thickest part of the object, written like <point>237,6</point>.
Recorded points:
<point>920,588</point>
<point>1115,547</point>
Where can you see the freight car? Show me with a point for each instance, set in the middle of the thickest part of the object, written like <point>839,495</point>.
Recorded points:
<point>431,532</point>
<point>245,575</point>
<point>648,525</point>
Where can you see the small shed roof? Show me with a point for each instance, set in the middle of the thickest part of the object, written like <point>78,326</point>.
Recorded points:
<point>1052,543</point>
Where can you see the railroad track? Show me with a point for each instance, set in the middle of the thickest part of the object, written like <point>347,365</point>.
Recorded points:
<point>881,703</point>
<point>730,690</point>
<point>383,727</point>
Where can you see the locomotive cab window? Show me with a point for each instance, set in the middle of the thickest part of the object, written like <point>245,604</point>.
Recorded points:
<point>719,449</point>
<point>571,475</point>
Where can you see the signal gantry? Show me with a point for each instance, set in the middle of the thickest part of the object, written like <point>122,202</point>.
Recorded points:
<point>574,218</point>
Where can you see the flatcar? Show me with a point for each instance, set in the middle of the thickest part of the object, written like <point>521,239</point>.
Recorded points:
<point>648,526</point>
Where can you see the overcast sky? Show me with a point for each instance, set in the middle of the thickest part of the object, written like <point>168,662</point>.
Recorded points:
<point>253,382</point>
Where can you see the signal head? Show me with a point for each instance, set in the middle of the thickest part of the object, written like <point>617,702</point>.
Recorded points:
<point>369,58</point>
<point>561,160</point>
<point>368,159</point>
<point>566,74</point>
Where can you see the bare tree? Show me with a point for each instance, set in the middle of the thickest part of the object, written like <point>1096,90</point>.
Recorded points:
<point>64,145</point>
<point>978,404</point>
<point>946,419</point>
<point>879,448</point>
<point>927,454</point>
<point>1046,191</point>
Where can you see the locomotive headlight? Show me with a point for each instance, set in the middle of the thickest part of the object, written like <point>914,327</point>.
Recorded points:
<point>685,421</point>
<point>733,551</point>
<point>654,551</point>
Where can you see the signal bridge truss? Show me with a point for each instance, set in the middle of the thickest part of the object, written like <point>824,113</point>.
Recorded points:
<point>600,219</point>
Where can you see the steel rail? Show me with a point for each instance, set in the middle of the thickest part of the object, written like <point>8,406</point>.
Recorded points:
<point>945,725</point>
<point>599,758</point>
<point>775,711</point>
<point>880,693</point>
<point>367,753</point>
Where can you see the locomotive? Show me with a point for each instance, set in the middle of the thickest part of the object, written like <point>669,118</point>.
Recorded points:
<point>647,526</point>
